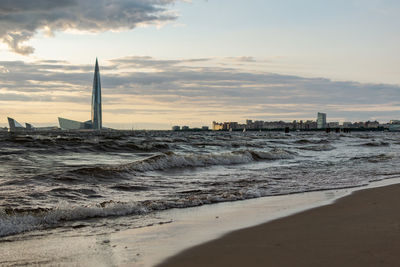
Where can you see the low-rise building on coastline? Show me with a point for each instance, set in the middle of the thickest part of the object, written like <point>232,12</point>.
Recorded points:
<point>309,125</point>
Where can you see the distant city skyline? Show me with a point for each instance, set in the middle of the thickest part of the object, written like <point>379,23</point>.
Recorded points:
<point>320,123</point>
<point>193,62</point>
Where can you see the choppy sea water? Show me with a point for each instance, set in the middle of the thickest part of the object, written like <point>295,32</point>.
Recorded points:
<point>52,180</point>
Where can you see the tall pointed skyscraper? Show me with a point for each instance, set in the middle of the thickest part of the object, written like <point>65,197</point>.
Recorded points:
<point>96,100</point>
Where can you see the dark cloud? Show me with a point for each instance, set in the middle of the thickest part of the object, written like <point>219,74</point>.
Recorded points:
<point>14,6</point>
<point>21,19</point>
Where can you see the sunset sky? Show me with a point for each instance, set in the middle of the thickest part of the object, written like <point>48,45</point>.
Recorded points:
<point>166,62</point>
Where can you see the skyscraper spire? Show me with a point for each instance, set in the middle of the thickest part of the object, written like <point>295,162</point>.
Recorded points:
<point>96,99</point>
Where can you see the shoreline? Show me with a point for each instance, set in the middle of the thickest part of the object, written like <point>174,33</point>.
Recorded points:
<point>360,229</point>
<point>147,246</point>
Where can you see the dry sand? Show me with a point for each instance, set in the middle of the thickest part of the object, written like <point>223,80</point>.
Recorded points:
<point>362,229</point>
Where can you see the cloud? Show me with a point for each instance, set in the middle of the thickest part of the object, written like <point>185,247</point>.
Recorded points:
<point>180,89</point>
<point>149,62</point>
<point>20,20</point>
<point>243,59</point>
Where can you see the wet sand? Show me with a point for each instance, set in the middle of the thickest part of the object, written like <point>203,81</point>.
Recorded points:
<point>362,229</point>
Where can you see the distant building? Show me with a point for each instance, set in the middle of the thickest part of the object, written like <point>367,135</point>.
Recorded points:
<point>258,124</point>
<point>333,124</point>
<point>176,128</point>
<point>29,127</point>
<point>96,100</point>
<point>320,123</point>
<point>66,124</point>
<point>371,124</point>
<point>205,128</point>
<point>15,126</point>
<point>217,126</point>
<point>308,125</point>
<point>232,125</point>
<point>95,122</point>
<point>185,128</point>
<point>359,125</point>
<point>321,120</point>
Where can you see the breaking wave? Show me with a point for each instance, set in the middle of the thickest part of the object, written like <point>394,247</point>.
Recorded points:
<point>15,221</point>
<point>170,160</point>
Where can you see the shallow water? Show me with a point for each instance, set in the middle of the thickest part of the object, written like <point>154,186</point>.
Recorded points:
<point>56,180</point>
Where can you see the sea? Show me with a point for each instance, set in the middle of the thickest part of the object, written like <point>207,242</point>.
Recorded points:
<point>72,180</point>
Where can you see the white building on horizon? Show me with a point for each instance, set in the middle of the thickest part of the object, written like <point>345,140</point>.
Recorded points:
<point>95,123</point>
<point>321,120</point>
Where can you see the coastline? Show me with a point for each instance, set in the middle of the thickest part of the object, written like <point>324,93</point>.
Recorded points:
<point>150,245</point>
<point>361,229</point>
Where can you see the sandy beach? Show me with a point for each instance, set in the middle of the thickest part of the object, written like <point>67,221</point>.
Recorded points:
<point>362,229</point>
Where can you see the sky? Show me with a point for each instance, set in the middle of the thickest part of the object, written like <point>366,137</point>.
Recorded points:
<point>171,62</point>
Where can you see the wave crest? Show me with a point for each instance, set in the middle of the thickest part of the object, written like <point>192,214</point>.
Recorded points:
<point>170,160</point>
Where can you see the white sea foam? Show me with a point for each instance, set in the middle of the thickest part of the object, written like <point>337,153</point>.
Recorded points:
<point>27,221</point>
<point>24,221</point>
